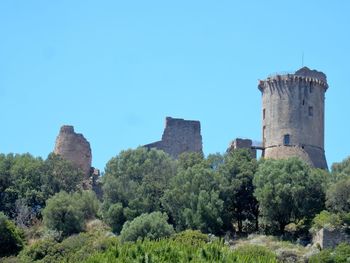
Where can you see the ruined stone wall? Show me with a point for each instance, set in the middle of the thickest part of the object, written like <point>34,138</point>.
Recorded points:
<point>239,143</point>
<point>179,136</point>
<point>330,238</point>
<point>293,105</point>
<point>74,148</point>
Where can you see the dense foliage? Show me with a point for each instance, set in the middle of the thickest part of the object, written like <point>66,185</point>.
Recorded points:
<point>75,248</point>
<point>341,254</point>
<point>11,237</point>
<point>237,190</point>
<point>149,195</point>
<point>193,199</point>
<point>151,226</point>
<point>135,180</point>
<point>288,191</point>
<point>65,212</point>
<point>27,182</point>
<point>338,196</point>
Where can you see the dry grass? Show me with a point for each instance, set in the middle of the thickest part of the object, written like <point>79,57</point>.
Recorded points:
<point>285,251</point>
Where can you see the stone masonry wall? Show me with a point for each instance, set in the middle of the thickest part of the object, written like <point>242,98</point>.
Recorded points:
<point>179,136</point>
<point>327,238</point>
<point>239,143</point>
<point>74,148</point>
<point>293,106</point>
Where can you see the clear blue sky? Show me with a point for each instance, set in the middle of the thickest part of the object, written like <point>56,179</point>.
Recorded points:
<point>116,69</point>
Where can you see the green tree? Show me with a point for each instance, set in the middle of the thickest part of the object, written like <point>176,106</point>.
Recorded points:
<point>87,203</point>
<point>338,196</point>
<point>62,213</point>
<point>60,175</point>
<point>115,217</point>
<point>11,237</point>
<point>341,170</point>
<point>189,159</point>
<point>240,204</point>
<point>192,200</point>
<point>151,226</point>
<point>288,191</point>
<point>137,179</point>
<point>20,179</point>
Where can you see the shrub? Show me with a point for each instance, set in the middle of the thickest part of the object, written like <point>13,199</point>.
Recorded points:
<point>191,237</point>
<point>340,254</point>
<point>115,217</point>
<point>11,237</point>
<point>62,214</point>
<point>327,220</point>
<point>75,248</point>
<point>151,226</point>
<point>38,250</point>
<point>88,203</point>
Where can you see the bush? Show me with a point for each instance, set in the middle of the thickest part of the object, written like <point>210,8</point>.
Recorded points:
<point>151,226</point>
<point>340,254</point>
<point>191,237</point>
<point>62,214</point>
<point>88,203</point>
<point>115,217</point>
<point>38,250</point>
<point>75,248</point>
<point>11,237</point>
<point>327,220</point>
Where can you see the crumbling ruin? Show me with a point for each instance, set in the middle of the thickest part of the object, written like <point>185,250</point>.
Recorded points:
<point>330,238</point>
<point>74,148</point>
<point>239,143</point>
<point>179,136</point>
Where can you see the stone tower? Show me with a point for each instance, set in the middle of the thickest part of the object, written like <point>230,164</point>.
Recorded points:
<point>293,116</point>
<point>179,136</point>
<point>74,148</point>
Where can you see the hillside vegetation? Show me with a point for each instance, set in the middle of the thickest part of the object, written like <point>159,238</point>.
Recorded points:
<point>157,209</point>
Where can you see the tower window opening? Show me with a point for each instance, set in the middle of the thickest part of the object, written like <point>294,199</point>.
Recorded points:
<point>286,139</point>
<point>311,111</point>
<point>303,102</point>
<point>311,88</point>
<point>263,114</point>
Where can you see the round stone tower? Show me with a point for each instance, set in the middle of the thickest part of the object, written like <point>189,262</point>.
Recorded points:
<point>293,116</point>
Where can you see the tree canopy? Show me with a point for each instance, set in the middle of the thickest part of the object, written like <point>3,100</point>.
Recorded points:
<point>288,191</point>
<point>136,179</point>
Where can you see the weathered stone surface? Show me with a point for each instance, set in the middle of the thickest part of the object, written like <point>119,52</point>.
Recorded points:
<point>330,238</point>
<point>239,143</point>
<point>293,106</point>
<point>74,148</point>
<point>179,136</point>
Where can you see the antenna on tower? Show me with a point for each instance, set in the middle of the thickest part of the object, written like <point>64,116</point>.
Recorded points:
<point>302,59</point>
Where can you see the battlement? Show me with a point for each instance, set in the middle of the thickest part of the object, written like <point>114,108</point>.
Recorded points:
<point>293,116</point>
<point>302,76</point>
